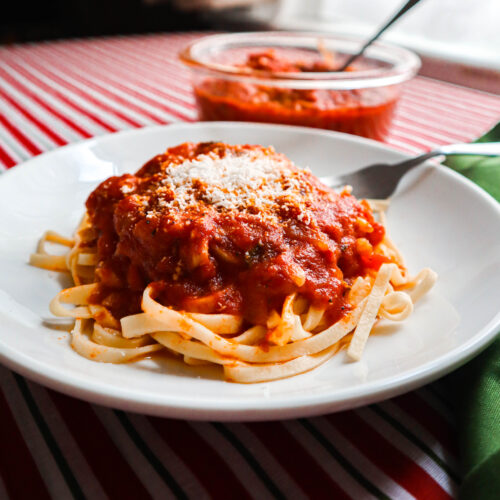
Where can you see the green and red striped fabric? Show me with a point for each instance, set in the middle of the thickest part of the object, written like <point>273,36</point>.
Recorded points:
<point>55,93</point>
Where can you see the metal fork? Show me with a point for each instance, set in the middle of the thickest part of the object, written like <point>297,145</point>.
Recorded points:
<point>380,180</point>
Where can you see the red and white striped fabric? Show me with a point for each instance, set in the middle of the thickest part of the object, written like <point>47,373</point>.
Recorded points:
<point>52,94</point>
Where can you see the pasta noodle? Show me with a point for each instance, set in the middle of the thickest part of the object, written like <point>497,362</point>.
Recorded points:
<point>297,333</point>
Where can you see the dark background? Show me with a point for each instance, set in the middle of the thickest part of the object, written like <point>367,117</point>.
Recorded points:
<point>22,21</point>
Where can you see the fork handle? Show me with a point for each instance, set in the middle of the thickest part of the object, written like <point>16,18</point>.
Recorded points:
<point>476,148</point>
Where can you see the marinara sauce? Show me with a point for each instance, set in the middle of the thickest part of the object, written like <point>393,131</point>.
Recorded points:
<point>366,112</point>
<point>228,229</point>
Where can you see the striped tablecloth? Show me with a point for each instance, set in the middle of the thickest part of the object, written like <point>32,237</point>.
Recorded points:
<point>52,94</point>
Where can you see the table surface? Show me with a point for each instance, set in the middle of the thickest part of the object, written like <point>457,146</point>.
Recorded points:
<point>52,94</point>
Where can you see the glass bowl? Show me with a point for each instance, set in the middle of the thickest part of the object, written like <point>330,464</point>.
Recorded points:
<point>290,78</point>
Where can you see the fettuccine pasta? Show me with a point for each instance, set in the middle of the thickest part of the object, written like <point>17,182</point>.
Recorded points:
<point>233,256</point>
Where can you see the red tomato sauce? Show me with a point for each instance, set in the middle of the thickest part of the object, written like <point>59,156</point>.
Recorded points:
<point>366,112</point>
<point>207,259</point>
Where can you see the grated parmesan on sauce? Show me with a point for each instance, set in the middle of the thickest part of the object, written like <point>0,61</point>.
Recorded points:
<point>235,181</point>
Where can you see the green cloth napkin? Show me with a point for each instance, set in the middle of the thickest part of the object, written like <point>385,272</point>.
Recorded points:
<point>476,386</point>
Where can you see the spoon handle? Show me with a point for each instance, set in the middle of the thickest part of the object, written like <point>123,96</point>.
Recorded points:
<point>406,7</point>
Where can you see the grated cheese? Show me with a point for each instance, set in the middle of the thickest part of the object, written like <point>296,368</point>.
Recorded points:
<point>126,189</point>
<point>233,182</point>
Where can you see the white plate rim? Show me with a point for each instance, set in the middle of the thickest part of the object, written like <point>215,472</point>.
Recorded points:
<point>234,410</point>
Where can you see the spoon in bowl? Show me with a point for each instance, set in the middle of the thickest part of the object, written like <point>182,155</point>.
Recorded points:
<point>406,7</point>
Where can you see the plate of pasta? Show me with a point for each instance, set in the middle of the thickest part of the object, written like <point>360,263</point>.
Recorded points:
<point>204,271</point>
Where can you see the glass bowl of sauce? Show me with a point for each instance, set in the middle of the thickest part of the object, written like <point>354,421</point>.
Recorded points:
<point>291,78</point>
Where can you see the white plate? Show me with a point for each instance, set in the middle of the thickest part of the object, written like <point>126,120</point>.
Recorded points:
<point>437,218</point>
